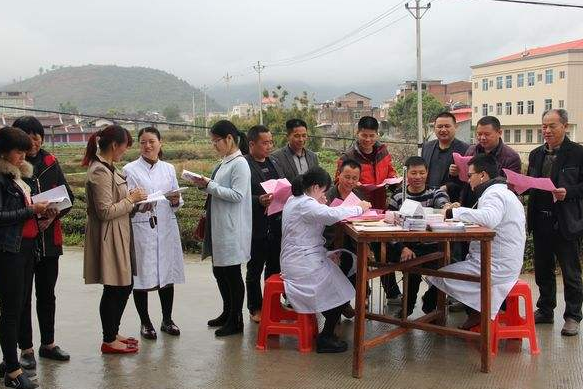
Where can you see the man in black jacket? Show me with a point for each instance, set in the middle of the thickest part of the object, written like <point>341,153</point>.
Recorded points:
<point>557,226</point>
<point>438,155</point>
<point>50,240</point>
<point>293,158</point>
<point>266,235</point>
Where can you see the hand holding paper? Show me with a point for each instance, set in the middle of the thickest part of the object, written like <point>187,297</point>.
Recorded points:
<point>462,164</point>
<point>281,191</point>
<point>56,198</point>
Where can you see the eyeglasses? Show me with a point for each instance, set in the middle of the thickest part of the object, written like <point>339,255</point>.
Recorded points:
<point>472,173</point>
<point>215,141</point>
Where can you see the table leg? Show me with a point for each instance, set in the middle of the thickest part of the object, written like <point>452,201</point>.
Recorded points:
<point>361,282</point>
<point>441,297</point>
<point>485,295</point>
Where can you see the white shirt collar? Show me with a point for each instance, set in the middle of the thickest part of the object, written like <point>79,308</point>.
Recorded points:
<point>229,158</point>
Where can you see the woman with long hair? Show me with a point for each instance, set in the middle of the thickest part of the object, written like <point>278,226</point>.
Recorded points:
<point>228,229</point>
<point>159,259</point>
<point>109,249</point>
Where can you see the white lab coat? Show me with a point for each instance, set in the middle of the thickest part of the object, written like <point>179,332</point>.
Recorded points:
<point>313,283</point>
<point>498,209</point>
<point>159,259</point>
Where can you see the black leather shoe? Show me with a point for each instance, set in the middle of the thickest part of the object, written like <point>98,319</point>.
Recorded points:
<point>56,353</point>
<point>148,332</point>
<point>330,344</point>
<point>232,327</point>
<point>20,382</point>
<point>170,328</point>
<point>27,361</point>
<point>543,318</point>
<point>31,374</point>
<point>218,321</point>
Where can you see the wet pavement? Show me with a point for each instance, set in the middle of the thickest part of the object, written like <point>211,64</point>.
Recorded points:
<point>197,359</point>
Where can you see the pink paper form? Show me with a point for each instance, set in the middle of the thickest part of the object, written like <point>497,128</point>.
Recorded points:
<point>462,164</point>
<point>522,183</point>
<point>281,190</point>
<point>388,181</point>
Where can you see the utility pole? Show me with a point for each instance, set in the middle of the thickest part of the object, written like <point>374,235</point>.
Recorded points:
<point>258,68</point>
<point>193,109</point>
<point>204,88</point>
<point>228,79</point>
<point>418,15</point>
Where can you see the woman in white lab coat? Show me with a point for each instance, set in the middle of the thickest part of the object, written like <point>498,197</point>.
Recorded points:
<point>159,261</point>
<point>500,210</point>
<point>312,278</point>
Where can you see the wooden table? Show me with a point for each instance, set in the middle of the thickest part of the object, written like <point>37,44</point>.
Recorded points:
<point>434,321</point>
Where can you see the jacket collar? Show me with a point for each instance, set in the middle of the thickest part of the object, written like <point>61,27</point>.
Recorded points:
<point>480,189</point>
<point>9,169</point>
<point>231,157</point>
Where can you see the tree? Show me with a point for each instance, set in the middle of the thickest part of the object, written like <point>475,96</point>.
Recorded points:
<point>68,107</point>
<point>41,70</point>
<point>403,114</point>
<point>172,113</point>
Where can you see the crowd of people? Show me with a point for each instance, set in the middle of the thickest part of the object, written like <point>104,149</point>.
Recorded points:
<point>134,245</point>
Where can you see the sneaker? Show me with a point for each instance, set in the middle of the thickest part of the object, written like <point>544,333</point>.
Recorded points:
<point>543,318</point>
<point>570,328</point>
<point>27,361</point>
<point>20,382</point>
<point>330,344</point>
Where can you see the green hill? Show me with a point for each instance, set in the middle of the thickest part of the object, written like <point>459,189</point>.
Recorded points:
<point>98,88</point>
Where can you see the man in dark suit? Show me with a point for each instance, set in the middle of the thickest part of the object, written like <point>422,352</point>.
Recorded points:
<point>557,226</point>
<point>266,234</point>
<point>438,155</point>
<point>294,158</point>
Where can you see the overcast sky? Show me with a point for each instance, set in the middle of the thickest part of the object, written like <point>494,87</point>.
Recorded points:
<point>200,41</point>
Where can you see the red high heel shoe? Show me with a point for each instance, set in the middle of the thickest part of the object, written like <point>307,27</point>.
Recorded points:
<point>107,349</point>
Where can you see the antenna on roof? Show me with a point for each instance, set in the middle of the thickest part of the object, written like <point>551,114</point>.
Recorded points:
<point>525,53</point>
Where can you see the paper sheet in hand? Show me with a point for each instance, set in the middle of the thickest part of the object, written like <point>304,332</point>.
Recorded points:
<point>189,176</point>
<point>58,197</point>
<point>388,181</point>
<point>522,183</point>
<point>153,198</point>
<point>176,191</point>
<point>281,190</point>
<point>462,164</point>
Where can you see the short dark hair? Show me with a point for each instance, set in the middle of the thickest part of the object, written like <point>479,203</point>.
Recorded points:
<point>12,138</point>
<point>368,123</point>
<point>294,123</point>
<point>489,121</point>
<point>485,163</point>
<point>446,114</point>
<point>314,176</point>
<point>351,163</point>
<point>415,161</point>
<point>30,125</point>
<point>253,133</point>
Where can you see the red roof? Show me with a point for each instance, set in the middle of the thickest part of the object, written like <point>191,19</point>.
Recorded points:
<point>558,48</point>
<point>462,114</point>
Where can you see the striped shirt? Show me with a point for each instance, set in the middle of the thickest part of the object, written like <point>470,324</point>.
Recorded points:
<point>431,198</point>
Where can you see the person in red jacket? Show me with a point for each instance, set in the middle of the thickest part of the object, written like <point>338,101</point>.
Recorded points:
<point>376,166</point>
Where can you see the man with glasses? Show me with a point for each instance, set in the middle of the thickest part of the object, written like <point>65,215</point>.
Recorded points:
<point>555,220</point>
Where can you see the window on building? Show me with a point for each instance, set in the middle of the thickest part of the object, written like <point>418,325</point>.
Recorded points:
<point>520,80</point>
<point>485,84</point>
<point>490,109</point>
<point>528,136</point>
<point>561,103</point>
<point>520,107</point>
<point>508,108</point>
<point>549,76</point>
<point>548,104</point>
<point>508,82</point>
<point>498,109</point>
<point>530,107</point>
<point>356,115</point>
<point>562,74</point>
<point>484,109</point>
<point>539,77</point>
<point>491,83</point>
<point>476,85</point>
<point>360,104</point>
<point>539,136</point>
<point>530,76</point>
<point>506,136</point>
<point>517,134</point>
<point>499,82</point>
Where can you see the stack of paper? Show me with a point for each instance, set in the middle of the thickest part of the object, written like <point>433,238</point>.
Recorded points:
<point>153,198</point>
<point>447,226</point>
<point>413,224</point>
<point>350,201</point>
<point>281,191</point>
<point>58,198</point>
<point>189,176</point>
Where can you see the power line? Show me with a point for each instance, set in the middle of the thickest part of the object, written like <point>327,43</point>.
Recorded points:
<point>530,2</point>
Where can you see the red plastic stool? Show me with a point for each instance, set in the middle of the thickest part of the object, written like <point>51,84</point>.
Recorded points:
<point>276,320</point>
<point>510,324</point>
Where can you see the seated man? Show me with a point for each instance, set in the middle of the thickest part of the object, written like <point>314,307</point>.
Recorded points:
<point>500,210</point>
<point>417,190</point>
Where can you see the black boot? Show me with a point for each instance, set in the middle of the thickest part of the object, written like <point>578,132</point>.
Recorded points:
<point>232,326</point>
<point>221,320</point>
<point>330,344</point>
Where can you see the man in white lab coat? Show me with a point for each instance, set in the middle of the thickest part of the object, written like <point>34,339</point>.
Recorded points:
<point>500,210</point>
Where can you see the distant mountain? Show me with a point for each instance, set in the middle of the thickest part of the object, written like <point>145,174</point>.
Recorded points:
<point>98,88</point>
<point>248,93</point>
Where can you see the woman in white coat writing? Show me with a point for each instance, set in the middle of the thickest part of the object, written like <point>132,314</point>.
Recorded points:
<point>159,260</point>
<point>227,235</point>
<point>312,278</point>
<point>499,209</point>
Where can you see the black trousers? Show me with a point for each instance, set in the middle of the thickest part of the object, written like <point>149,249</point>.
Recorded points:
<point>232,289</point>
<point>113,302</point>
<point>15,271</point>
<point>264,252</point>
<point>46,272</point>
<point>166,295</point>
<point>332,317</point>
<point>549,247</point>
<point>389,281</point>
